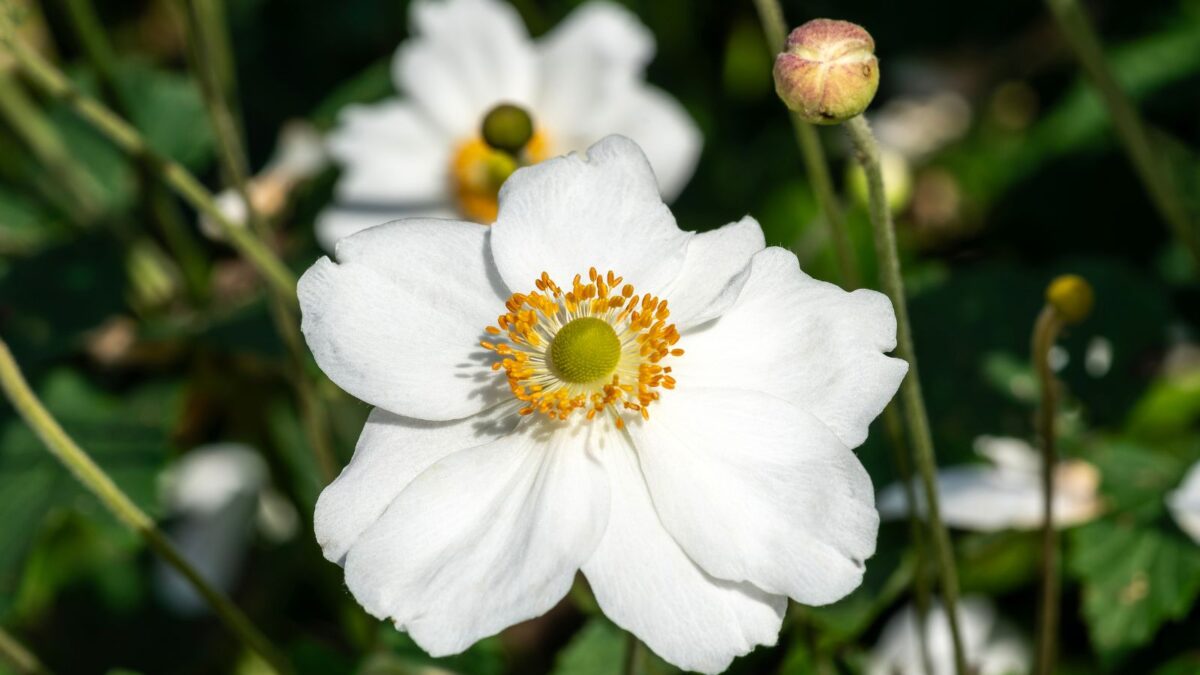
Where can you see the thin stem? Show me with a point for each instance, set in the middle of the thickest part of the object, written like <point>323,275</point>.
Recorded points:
<point>52,81</point>
<point>19,656</point>
<point>910,390</point>
<point>775,28</point>
<point>64,448</point>
<point>1045,332</point>
<point>236,168</point>
<point>1150,164</point>
<point>634,657</point>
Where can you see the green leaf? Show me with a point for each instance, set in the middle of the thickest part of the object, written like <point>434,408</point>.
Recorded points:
<point>1134,580</point>
<point>597,649</point>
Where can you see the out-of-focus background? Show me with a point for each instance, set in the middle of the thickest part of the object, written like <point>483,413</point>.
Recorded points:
<point>152,342</point>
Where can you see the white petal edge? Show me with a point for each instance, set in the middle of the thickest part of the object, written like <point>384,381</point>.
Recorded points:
<point>465,56</point>
<point>602,210</point>
<point>390,153</point>
<point>397,321</point>
<point>337,222</point>
<point>1184,503</point>
<point>756,490</point>
<point>666,133</point>
<point>647,585</point>
<point>390,453</point>
<point>989,650</point>
<point>484,539</point>
<point>714,272</point>
<point>803,340</point>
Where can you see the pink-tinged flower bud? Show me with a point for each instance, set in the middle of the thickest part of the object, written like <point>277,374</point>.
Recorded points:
<point>827,72</point>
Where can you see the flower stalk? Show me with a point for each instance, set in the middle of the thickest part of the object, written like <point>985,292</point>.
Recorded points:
<point>87,472</point>
<point>236,169</point>
<point>19,657</point>
<point>55,84</point>
<point>1068,300</point>
<point>910,389</point>
<point>1149,164</point>
<point>771,15</point>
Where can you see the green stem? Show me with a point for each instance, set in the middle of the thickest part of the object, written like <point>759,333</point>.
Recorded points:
<point>42,73</point>
<point>1045,332</point>
<point>1150,164</point>
<point>236,168</point>
<point>634,656</point>
<point>775,28</point>
<point>64,448</point>
<point>910,389</point>
<point>19,657</point>
<point>157,201</point>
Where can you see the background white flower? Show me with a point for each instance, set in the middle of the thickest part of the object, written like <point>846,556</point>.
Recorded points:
<point>458,517</point>
<point>991,647</point>
<point>215,495</point>
<point>1007,493</point>
<point>416,155</point>
<point>1184,503</point>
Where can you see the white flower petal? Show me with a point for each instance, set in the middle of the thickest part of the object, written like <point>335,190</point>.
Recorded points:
<point>714,271</point>
<point>465,57</point>
<point>647,585</point>
<point>485,538</point>
<point>571,213</point>
<point>666,133</point>
<point>390,154</point>
<point>335,223</point>
<point>397,321</point>
<point>990,647</point>
<point>975,497</point>
<point>589,65</point>
<point>391,452</point>
<point>803,340</point>
<point>1184,503</point>
<point>755,489</point>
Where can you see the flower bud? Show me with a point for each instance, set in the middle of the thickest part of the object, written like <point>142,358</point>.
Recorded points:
<point>507,127</point>
<point>827,72</point>
<point>1071,296</point>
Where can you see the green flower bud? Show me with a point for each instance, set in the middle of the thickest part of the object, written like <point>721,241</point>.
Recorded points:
<point>1071,296</point>
<point>507,128</point>
<point>827,72</point>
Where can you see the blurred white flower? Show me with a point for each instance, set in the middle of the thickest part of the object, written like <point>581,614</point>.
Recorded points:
<point>1007,494</point>
<point>916,127</point>
<point>1184,503</point>
<point>421,154</point>
<point>698,472</point>
<point>214,496</point>
<point>991,646</point>
<point>299,155</point>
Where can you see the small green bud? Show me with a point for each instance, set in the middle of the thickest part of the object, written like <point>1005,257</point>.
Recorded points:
<point>507,127</point>
<point>1071,296</point>
<point>827,71</point>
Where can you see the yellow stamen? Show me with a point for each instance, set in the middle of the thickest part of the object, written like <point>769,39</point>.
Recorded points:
<point>477,171</point>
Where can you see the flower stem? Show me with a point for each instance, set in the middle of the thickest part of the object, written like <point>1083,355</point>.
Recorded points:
<point>775,28</point>
<point>23,660</point>
<point>910,389</point>
<point>1150,164</point>
<point>634,656</point>
<point>52,81</point>
<point>64,448</point>
<point>1045,332</point>
<point>235,165</point>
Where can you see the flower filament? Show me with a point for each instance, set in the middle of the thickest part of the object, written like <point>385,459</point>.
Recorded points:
<point>593,348</point>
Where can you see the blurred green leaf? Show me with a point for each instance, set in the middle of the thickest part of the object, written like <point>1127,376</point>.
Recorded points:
<point>599,648</point>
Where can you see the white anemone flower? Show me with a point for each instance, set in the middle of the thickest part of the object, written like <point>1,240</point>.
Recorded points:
<point>1184,503</point>
<point>1007,493</point>
<point>584,386</point>
<point>991,646</point>
<point>421,154</point>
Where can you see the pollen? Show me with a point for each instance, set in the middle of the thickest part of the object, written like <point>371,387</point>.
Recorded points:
<point>477,171</point>
<point>596,348</point>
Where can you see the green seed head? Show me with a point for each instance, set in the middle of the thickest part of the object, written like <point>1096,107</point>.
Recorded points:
<point>507,127</point>
<point>585,350</point>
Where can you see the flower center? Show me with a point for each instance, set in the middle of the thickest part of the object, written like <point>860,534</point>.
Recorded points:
<point>585,349</point>
<point>594,348</point>
<point>477,170</point>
